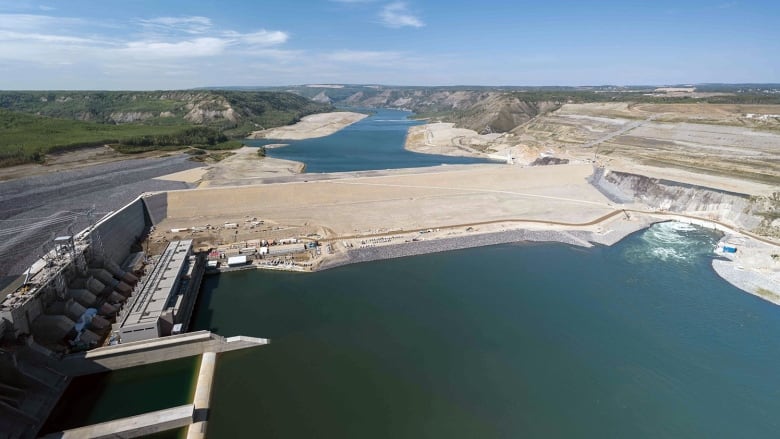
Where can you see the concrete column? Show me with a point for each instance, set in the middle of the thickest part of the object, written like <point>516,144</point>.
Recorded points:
<point>208,362</point>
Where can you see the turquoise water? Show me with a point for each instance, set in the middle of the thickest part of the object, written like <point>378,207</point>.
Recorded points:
<point>376,142</point>
<point>641,339</point>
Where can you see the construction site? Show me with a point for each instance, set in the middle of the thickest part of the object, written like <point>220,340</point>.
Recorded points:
<point>121,292</point>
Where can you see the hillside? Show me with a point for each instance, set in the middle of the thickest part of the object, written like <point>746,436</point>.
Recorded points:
<point>501,109</point>
<point>36,123</point>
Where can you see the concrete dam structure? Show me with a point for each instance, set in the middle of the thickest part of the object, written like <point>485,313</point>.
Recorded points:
<point>97,288</point>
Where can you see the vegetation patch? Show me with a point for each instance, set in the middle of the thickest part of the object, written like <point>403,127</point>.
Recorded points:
<point>768,295</point>
<point>33,124</point>
<point>26,138</point>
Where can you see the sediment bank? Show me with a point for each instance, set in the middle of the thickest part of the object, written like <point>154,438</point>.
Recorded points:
<point>310,127</point>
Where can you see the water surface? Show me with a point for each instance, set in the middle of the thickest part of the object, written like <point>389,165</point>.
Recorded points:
<point>641,339</point>
<point>376,142</point>
<point>128,392</point>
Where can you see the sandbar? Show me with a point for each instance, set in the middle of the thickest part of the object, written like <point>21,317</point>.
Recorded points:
<point>312,126</point>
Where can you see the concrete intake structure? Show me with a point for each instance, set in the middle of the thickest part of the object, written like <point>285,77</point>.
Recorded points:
<point>202,399</point>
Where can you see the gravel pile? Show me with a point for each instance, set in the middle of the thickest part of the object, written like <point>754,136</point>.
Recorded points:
<point>447,244</point>
<point>34,209</point>
<point>746,280</point>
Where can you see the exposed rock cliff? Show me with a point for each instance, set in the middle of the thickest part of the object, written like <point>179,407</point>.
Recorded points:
<point>132,116</point>
<point>757,214</point>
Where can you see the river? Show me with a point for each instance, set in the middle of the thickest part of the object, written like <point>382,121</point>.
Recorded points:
<point>376,142</point>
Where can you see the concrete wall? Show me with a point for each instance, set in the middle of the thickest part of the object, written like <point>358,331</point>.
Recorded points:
<point>122,229</point>
<point>156,207</point>
<point>116,234</point>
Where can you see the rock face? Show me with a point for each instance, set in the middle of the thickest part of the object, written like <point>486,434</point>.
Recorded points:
<point>753,213</point>
<point>134,116</point>
<point>547,161</point>
<point>322,98</point>
<point>482,111</point>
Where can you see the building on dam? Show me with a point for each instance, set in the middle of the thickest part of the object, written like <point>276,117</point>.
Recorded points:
<point>89,289</point>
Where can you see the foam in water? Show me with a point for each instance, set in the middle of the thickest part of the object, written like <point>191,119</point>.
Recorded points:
<point>671,241</point>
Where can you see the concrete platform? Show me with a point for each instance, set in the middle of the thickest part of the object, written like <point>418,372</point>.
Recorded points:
<point>134,426</point>
<point>152,351</point>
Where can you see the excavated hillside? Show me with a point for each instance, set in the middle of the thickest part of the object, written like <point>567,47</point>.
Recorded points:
<point>759,214</point>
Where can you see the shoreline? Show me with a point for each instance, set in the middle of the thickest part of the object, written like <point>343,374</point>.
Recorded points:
<point>310,127</point>
<point>518,237</point>
<point>748,280</point>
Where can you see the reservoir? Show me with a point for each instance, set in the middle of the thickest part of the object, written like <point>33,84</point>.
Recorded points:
<point>641,339</point>
<point>376,142</point>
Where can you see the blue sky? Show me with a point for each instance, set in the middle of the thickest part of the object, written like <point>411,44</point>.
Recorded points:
<point>144,44</point>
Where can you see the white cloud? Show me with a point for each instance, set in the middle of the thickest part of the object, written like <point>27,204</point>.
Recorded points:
<point>396,15</point>
<point>190,25</point>
<point>196,48</point>
<point>34,23</point>
<point>264,38</point>
<point>44,38</point>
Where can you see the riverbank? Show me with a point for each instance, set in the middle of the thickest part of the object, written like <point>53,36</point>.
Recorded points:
<point>445,139</point>
<point>419,211</point>
<point>754,267</point>
<point>380,249</point>
<point>752,270</point>
<point>246,167</point>
<point>312,126</point>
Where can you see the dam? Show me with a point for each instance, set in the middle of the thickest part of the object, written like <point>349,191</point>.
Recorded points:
<point>97,302</point>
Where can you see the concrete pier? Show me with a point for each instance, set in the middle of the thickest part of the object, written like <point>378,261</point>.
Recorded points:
<point>133,426</point>
<point>151,351</point>
<point>201,401</point>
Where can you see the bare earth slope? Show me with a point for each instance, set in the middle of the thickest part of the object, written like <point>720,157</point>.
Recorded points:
<point>733,141</point>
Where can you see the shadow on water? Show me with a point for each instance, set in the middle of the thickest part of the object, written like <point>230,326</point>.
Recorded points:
<point>202,311</point>
<point>128,392</point>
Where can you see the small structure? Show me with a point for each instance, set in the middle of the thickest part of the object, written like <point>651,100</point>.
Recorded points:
<point>236,261</point>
